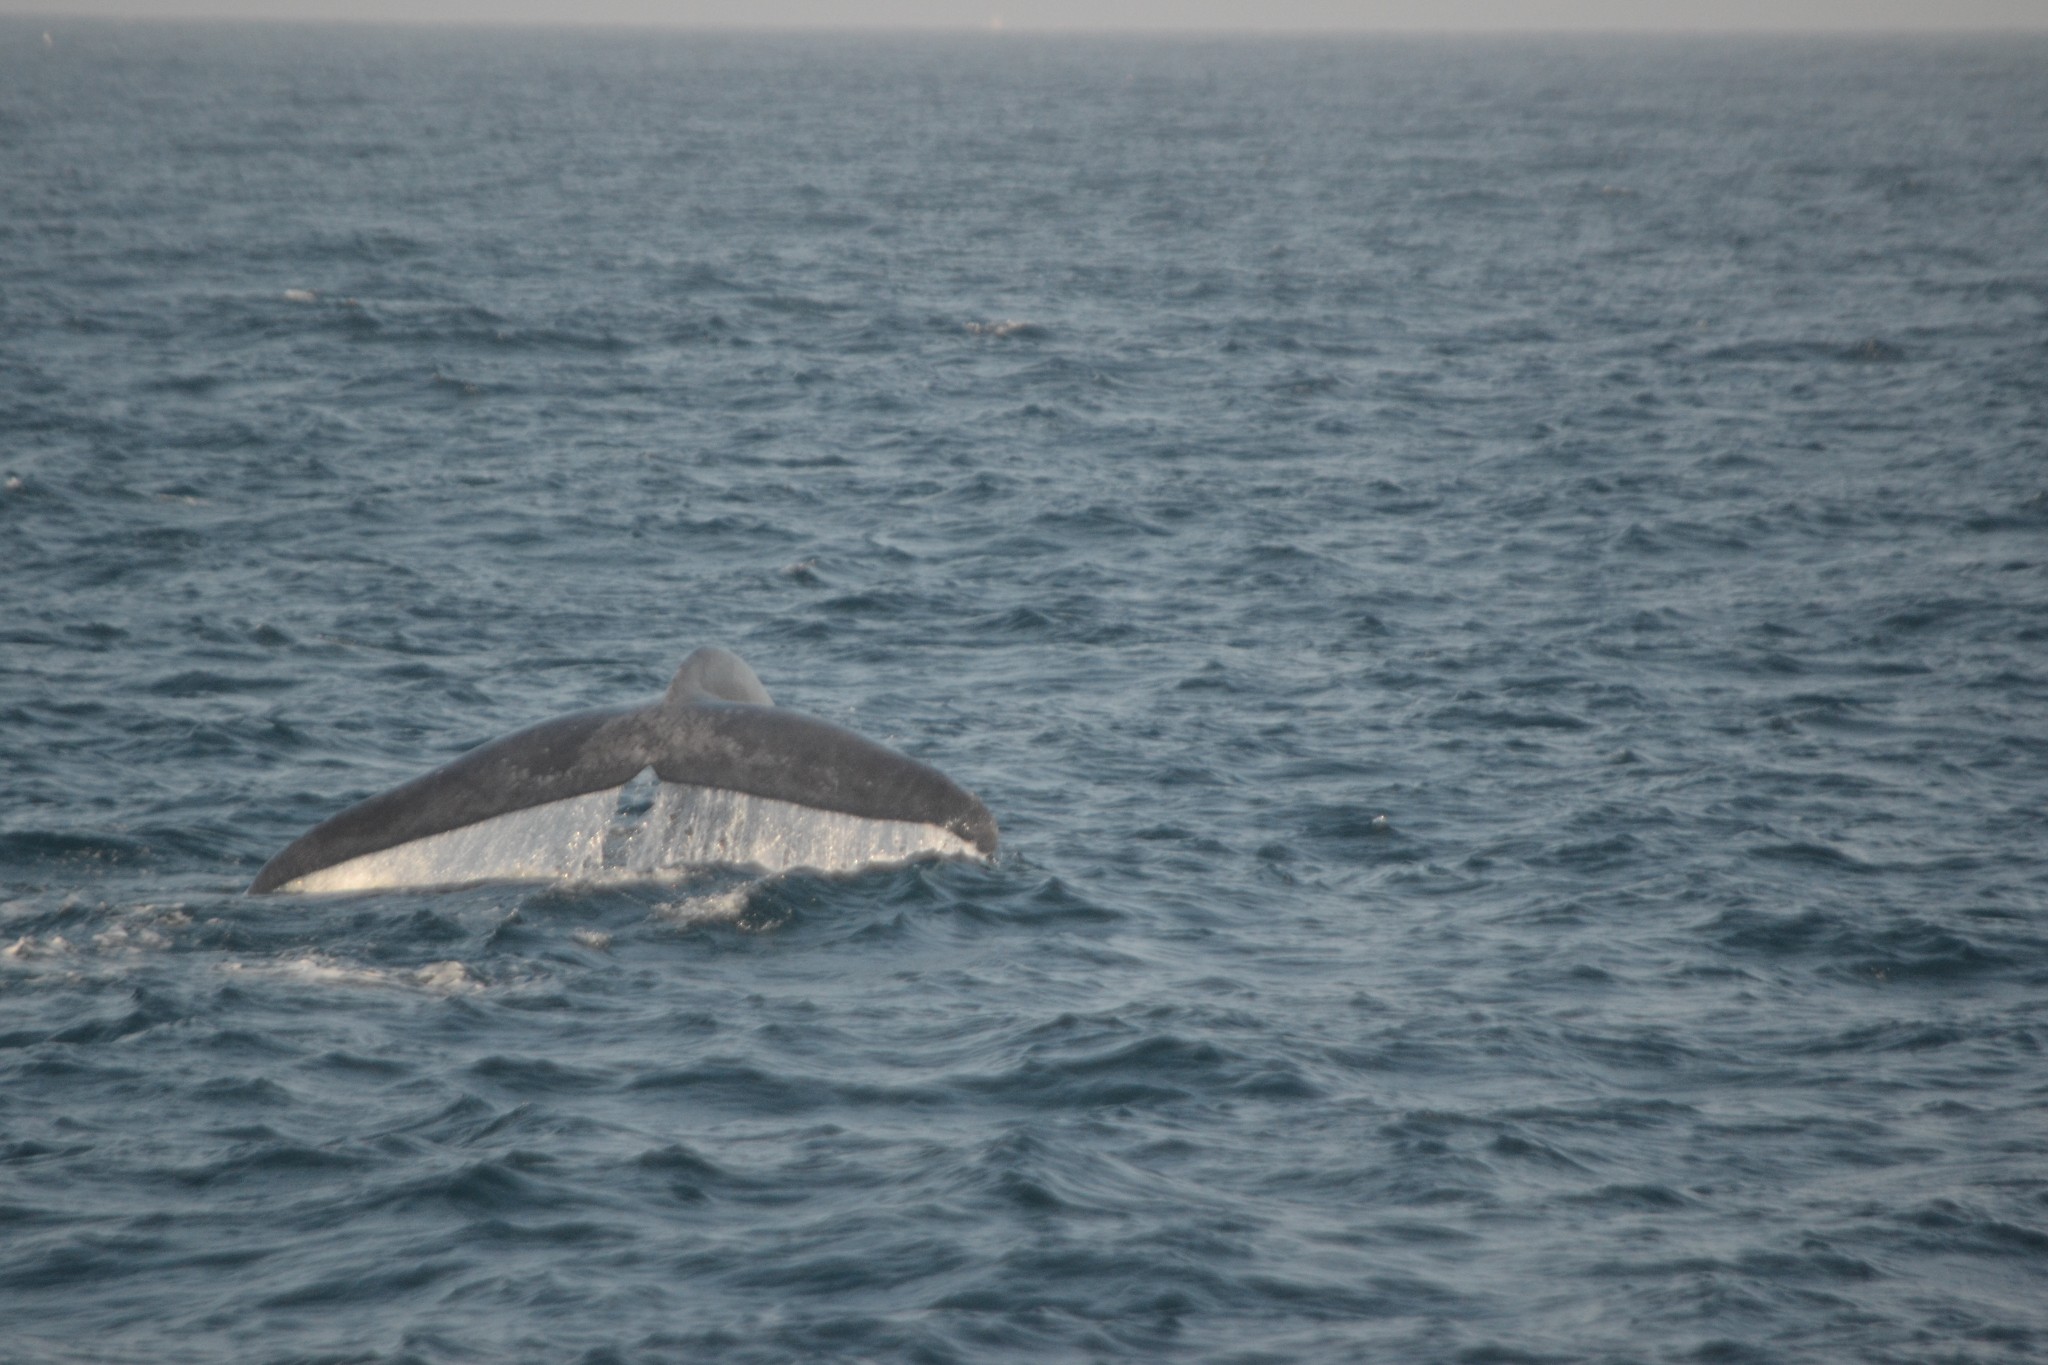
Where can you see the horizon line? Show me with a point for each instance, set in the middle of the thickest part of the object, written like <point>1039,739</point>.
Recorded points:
<point>1004,29</point>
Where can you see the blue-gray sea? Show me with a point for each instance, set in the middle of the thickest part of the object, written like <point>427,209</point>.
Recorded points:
<point>1622,465</point>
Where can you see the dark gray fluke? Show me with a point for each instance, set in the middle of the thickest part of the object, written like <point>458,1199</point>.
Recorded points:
<point>715,741</point>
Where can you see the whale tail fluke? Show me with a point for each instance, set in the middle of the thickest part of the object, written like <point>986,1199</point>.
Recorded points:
<point>742,783</point>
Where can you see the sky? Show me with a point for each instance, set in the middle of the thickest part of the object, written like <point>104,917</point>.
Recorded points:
<point>1101,15</point>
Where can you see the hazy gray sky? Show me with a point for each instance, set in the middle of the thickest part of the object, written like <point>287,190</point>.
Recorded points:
<point>1027,15</point>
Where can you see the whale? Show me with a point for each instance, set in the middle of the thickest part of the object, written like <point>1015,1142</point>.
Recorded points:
<point>712,773</point>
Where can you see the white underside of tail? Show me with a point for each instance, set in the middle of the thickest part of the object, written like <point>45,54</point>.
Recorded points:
<point>602,837</point>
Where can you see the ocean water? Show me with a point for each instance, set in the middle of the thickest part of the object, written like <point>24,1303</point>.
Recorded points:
<point>1622,465</point>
